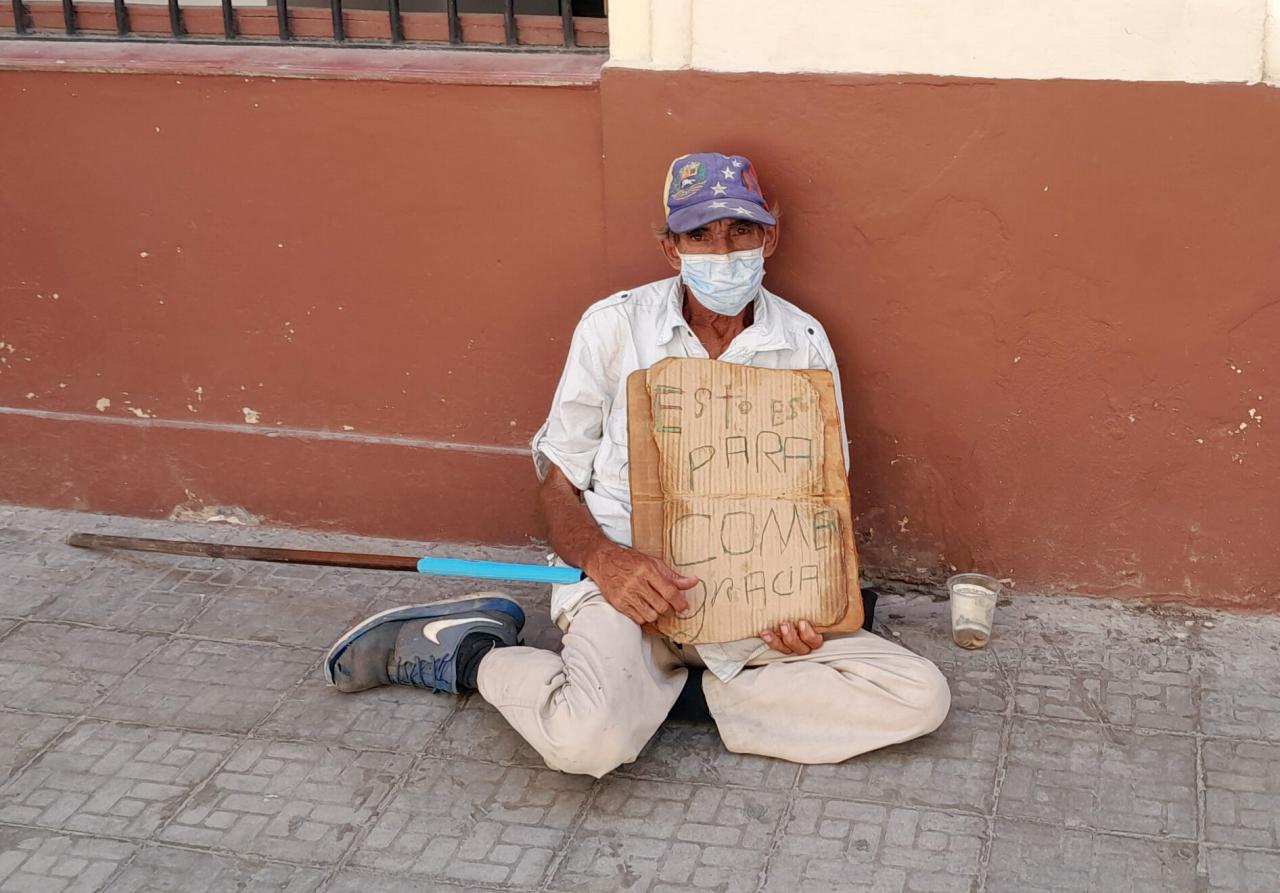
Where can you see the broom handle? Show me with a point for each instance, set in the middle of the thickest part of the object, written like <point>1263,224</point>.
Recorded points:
<point>446,567</point>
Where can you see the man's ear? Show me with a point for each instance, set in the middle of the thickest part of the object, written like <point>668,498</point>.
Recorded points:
<point>668,246</point>
<point>770,239</point>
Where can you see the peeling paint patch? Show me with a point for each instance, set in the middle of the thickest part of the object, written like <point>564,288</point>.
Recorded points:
<point>347,428</point>
<point>103,404</point>
<point>31,395</point>
<point>214,514</point>
<point>252,416</point>
<point>141,413</point>
<point>143,254</point>
<point>199,394</point>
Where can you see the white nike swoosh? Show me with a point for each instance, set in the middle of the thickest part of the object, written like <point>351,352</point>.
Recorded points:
<point>435,627</point>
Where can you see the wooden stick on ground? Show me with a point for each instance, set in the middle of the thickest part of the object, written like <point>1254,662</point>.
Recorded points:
<point>246,553</point>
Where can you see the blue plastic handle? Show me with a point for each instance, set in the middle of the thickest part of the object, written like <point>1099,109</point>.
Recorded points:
<point>498,570</point>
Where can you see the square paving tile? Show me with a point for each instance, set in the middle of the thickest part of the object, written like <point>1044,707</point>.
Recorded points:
<point>683,751</point>
<point>837,846</point>
<point>57,668</point>
<point>953,768</point>
<point>1034,858</point>
<point>1242,871</point>
<point>31,573</point>
<point>1132,670</point>
<point>129,592</point>
<point>478,730</point>
<point>162,869</point>
<point>664,837</point>
<point>108,778</point>
<point>38,861</point>
<point>1240,665</point>
<point>196,684</point>
<point>1147,687</point>
<point>296,802</point>
<point>283,609</point>
<point>1083,775</point>
<point>22,735</point>
<point>474,822</point>
<point>390,718</point>
<point>1243,796</point>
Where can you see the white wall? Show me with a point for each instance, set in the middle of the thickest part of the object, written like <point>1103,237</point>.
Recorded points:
<point>1162,40</point>
<point>1273,43</point>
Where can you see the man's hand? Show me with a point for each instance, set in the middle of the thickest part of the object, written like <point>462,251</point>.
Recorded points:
<point>793,638</point>
<point>639,586</point>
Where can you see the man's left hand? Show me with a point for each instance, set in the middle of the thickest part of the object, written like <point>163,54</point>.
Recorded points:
<point>793,638</point>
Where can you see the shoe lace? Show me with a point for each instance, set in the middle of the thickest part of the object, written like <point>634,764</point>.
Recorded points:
<point>424,673</point>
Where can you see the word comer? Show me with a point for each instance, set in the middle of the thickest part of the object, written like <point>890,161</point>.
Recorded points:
<point>743,533</point>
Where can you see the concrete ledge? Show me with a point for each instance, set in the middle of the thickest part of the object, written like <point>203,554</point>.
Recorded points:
<point>431,66</point>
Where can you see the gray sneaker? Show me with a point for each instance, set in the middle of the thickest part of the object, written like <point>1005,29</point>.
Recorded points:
<point>436,646</point>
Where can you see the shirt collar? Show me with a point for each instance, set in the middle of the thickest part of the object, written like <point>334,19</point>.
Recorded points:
<point>766,331</point>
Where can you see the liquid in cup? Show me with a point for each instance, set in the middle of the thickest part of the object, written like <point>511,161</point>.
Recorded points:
<point>973,607</point>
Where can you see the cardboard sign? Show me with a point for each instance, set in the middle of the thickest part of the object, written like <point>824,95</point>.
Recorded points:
<point>737,478</point>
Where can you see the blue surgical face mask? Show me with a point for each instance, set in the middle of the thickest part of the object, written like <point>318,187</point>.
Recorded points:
<point>724,283</point>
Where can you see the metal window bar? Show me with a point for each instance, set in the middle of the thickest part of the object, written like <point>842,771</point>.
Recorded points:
<point>455,25</point>
<point>566,19</point>
<point>68,17</point>
<point>228,20</point>
<point>335,11</point>
<point>19,18</point>
<point>509,22</point>
<point>282,19</point>
<point>122,19</point>
<point>397,26</point>
<point>175,18</point>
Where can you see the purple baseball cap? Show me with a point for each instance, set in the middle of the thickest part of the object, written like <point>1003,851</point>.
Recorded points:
<point>708,186</point>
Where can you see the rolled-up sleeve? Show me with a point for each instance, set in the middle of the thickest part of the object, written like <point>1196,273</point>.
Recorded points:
<point>572,433</point>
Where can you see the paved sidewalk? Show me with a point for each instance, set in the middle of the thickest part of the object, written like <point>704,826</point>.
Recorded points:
<point>164,727</point>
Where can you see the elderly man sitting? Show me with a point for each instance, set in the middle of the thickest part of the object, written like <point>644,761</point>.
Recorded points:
<point>791,693</point>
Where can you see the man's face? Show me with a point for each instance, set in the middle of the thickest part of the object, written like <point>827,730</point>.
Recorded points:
<point>720,237</point>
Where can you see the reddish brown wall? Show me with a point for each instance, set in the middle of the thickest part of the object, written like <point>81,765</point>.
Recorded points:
<point>403,259</point>
<point>1039,293</point>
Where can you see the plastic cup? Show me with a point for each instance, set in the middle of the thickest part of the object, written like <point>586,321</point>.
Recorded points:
<point>973,608</point>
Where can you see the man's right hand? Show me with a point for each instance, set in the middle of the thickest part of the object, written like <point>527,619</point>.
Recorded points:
<point>639,586</point>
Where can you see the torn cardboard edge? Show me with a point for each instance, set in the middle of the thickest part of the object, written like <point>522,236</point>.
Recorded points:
<point>781,512</point>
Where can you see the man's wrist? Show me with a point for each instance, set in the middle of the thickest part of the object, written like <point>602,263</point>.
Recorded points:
<point>598,552</point>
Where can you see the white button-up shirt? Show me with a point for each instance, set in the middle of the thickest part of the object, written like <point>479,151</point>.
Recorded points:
<point>585,434</point>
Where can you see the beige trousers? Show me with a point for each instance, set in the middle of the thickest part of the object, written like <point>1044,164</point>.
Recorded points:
<point>593,707</point>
